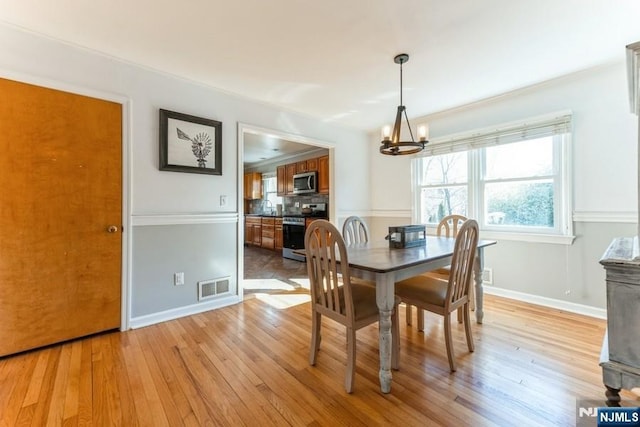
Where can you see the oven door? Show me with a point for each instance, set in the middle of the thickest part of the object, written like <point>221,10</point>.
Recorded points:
<point>292,239</point>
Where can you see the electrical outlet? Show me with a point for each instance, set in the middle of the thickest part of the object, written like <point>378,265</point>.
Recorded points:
<point>178,279</point>
<point>223,200</point>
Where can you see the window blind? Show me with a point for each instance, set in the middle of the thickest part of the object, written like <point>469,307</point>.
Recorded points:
<point>534,128</point>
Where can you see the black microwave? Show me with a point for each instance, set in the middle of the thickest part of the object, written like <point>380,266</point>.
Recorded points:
<point>305,183</point>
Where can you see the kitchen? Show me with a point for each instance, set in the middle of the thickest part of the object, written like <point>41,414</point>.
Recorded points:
<point>286,186</point>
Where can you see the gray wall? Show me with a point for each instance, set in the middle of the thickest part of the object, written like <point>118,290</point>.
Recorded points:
<point>570,273</point>
<point>201,251</point>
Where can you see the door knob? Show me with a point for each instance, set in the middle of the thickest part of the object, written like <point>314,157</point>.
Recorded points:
<point>112,229</point>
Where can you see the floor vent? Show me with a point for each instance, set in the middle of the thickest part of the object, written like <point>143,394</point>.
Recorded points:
<point>208,289</point>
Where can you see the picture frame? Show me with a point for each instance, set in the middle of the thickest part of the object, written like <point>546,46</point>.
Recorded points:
<point>190,144</point>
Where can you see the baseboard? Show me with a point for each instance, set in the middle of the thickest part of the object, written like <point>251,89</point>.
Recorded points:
<point>572,307</point>
<point>175,313</point>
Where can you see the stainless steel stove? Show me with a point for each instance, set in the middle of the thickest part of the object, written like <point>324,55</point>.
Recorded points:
<point>293,228</point>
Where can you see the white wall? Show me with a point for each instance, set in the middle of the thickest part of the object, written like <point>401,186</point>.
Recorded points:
<point>604,176</point>
<point>178,199</point>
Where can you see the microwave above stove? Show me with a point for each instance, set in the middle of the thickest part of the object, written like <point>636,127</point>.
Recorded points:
<point>305,183</point>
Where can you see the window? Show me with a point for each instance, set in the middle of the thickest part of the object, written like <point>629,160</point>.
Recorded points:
<point>513,179</point>
<point>270,190</point>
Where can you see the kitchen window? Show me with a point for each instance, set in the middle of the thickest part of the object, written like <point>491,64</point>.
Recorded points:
<point>270,190</point>
<point>514,179</point>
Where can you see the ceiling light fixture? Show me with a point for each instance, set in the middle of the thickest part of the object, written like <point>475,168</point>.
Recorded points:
<point>391,143</point>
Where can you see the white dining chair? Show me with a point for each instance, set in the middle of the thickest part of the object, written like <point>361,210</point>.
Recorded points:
<point>336,295</point>
<point>355,230</point>
<point>442,295</point>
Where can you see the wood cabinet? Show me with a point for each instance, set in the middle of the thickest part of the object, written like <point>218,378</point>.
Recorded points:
<point>290,172</point>
<point>301,167</point>
<point>277,240</point>
<point>253,185</point>
<point>268,233</point>
<point>281,176</point>
<point>265,232</point>
<point>253,230</point>
<point>285,174</point>
<point>312,165</point>
<point>323,175</point>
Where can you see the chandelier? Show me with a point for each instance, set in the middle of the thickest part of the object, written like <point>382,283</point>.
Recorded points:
<point>391,143</point>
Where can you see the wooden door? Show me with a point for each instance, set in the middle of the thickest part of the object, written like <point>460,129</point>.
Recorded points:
<point>61,190</point>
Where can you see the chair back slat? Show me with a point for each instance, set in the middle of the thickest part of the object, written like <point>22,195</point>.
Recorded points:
<point>449,225</point>
<point>464,254</point>
<point>355,230</point>
<point>330,283</point>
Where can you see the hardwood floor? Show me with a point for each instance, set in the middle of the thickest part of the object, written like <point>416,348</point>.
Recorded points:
<point>248,365</point>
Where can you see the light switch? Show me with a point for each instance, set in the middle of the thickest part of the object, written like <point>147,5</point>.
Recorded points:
<point>223,200</point>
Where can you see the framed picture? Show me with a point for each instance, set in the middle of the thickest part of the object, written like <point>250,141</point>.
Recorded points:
<point>190,144</point>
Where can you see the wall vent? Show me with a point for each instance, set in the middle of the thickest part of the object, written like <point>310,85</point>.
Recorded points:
<point>208,289</point>
<point>487,276</point>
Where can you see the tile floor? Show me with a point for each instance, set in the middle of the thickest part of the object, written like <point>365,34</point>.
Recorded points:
<point>267,272</point>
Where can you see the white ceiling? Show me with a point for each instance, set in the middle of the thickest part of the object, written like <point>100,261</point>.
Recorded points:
<point>333,59</point>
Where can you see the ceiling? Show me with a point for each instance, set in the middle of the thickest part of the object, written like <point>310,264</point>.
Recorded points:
<point>333,59</point>
<point>265,148</point>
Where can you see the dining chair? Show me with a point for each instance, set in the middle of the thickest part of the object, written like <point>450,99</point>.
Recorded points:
<point>442,295</point>
<point>339,297</point>
<point>447,227</point>
<point>355,230</point>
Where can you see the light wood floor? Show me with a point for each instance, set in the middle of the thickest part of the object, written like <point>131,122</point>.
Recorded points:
<point>248,365</point>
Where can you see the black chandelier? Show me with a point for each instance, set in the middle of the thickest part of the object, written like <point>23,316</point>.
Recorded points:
<point>391,143</point>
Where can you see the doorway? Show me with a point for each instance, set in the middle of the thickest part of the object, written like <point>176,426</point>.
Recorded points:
<point>264,269</point>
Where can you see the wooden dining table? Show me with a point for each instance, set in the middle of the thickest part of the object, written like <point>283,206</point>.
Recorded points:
<point>375,261</point>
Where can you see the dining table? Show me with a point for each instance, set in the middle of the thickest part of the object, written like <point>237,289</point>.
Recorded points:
<point>376,261</point>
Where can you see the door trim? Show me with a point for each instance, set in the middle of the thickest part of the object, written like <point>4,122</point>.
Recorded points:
<point>125,102</point>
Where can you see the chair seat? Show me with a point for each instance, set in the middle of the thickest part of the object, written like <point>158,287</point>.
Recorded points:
<point>442,271</point>
<point>364,299</point>
<point>427,289</point>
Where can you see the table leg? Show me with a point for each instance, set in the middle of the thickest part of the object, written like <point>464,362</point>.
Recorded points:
<point>385,296</point>
<point>477,276</point>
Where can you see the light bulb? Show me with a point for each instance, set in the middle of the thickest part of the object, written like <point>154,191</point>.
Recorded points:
<point>386,133</point>
<point>423,132</point>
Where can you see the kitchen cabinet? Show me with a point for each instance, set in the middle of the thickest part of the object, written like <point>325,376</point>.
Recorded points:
<point>285,174</point>
<point>323,175</point>
<point>301,167</point>
<point>277,239</point>
<point>253,230</point>
<point>253,185</point>
<point>312,165</point>
<point>281,178</point>
<point>268,233</point>
<point>290,172</point>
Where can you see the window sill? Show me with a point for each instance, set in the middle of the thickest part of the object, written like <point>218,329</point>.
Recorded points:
<point>528,237</point>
